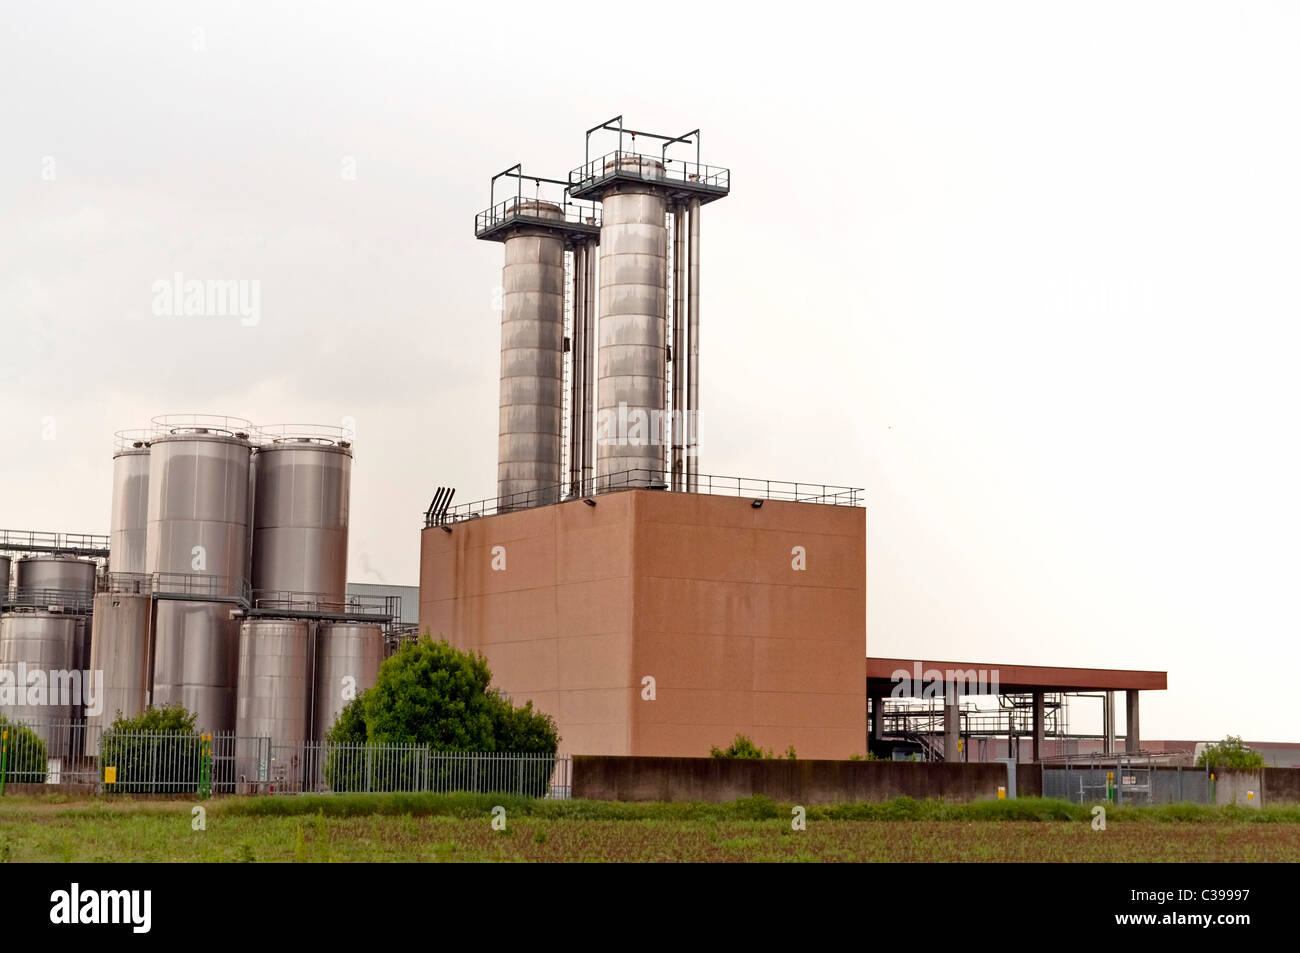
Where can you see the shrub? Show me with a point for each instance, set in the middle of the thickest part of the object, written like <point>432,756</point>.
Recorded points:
<point>26,758</point>
<point>1230,754</point>
<point>433,696</point>
<point>159,747</point>
<point>743,748</point>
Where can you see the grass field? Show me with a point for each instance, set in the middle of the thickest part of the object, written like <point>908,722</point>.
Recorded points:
<point>459,828</point>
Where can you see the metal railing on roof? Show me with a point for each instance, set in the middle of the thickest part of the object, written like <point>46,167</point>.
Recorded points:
<point>706,484</point>
<point>528,210</point>
<point>624,164</point>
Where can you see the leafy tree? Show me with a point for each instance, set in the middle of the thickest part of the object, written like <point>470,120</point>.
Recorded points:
<point>434,696</point>
<point>1230,754</point>
<point>742,747</point>
<point>26,758</point>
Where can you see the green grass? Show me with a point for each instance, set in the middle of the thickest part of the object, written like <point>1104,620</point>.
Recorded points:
<point>436,828</point>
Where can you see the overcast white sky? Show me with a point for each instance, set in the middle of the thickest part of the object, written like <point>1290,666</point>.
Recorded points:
<point>1026,272</point>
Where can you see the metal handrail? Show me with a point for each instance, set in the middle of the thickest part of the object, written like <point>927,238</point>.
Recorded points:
<point>640,479</point>
<point>634,165</point>
<point>198,585</point>
<point>41,541</point>
<point>66,600</point>
<point>573,213</point>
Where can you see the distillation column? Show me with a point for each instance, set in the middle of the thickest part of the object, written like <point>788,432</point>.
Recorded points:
<point>532,362</point>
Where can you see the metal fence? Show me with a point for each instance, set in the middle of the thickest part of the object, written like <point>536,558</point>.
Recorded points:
<point>183,763</point>
<point>1126,781</point>
<point>47,752</point>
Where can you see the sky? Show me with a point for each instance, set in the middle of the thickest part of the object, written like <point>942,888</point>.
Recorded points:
<point>1025,272</point>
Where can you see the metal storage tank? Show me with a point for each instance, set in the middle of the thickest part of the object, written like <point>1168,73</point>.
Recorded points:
<point>120,649</point>
<point>348,656</point>
<point>49,579</point>
<point>41,641</point>
<point>532,359</point>
<point>632,356</point>
<point>274,673</point>
<point>300,514</point>
<point>4,579</point>
<point>198,497</point>
<point>196,660</point>
<point>128,528</point>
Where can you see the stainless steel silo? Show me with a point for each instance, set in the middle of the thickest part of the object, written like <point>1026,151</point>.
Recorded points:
<point>37,647</point>
<point>348,656</point>
<point>197,546</point>
<point>48,580</point>
<point>128,528</point>
<point>632,356</point>
<point>274,676</point>
<point>300,518</point>
<point>532,360</point>
<point>120,649</point>
<point>196,660</point>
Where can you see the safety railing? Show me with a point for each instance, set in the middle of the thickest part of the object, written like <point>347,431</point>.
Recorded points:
<point>75,601</point>
<point>376,608</point>
<point>517,208</point>
<point>200,587</point>
<point>638,479</point>
<point>623,165</point>
<point>35,541</point>
<point>130,583</point>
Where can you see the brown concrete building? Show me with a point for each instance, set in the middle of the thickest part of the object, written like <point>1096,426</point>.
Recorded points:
<point>748,618</point>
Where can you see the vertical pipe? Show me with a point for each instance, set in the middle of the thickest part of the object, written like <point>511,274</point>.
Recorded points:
<point>588,377</point>
<point>693,306</point>
<point>575,372</point>
<point>679,346</point>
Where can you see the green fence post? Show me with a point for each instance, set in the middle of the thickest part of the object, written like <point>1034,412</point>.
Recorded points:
<point>205,766</point>
<point>4,758</point>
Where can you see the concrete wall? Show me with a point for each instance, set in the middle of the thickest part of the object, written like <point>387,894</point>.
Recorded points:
<point>1242,788</point>
<point>1281,785</point>
<point>698,592</point>
<point>798,782</point>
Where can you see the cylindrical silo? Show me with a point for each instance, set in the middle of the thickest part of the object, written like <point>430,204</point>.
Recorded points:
<point>48,580</point>
<point>631,363</point>
<point>532,361</point>
<point>348,656</point>
<point>130,516</point>
<point>274,675</point>
<point>300,519</point>
<point>4,580</point>
<point>198,546</point>
<point>36,647</point>
<point>119,649</point>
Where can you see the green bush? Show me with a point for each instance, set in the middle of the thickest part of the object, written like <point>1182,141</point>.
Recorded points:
<point>25,757</point>
<point>157,750</point>
<point>1230,754</point>
<point>435,697</point>
<point>742,748</point>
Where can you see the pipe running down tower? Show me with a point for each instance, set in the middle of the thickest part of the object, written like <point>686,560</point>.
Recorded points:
<point>640,439</point>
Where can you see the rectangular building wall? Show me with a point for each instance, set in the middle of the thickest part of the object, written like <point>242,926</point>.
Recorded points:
<point>746,619</point>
